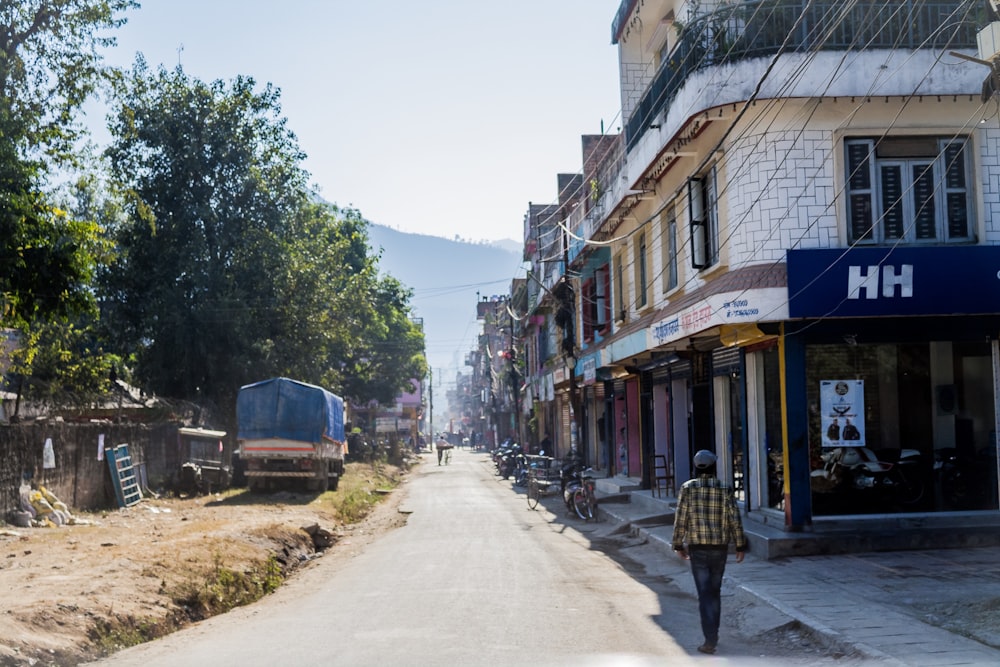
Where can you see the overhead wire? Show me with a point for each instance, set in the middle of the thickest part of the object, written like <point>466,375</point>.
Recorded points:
<point>733,228</point>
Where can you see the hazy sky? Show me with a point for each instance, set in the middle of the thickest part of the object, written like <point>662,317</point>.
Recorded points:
<point>443,117</point>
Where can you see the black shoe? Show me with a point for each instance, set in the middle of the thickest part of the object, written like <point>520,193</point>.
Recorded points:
<point>707,648</point>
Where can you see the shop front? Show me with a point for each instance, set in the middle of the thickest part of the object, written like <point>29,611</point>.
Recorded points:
<point>890,384</point>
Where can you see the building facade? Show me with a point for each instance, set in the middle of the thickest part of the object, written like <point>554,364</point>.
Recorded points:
<point>787,256</point>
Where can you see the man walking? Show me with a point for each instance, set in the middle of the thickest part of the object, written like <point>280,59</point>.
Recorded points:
<point>705,522</point>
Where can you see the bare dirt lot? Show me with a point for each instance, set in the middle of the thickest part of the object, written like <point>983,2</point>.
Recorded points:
<point>74,593</point>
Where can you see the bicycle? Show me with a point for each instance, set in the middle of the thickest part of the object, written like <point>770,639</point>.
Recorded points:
<point>584,500</point>
<point>541,480</point>
<point>446,456</point>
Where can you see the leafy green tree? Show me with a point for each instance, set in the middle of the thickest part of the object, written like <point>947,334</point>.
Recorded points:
<point>227,270</point>
<point>212,187</point>
<point>50,64</point>
<point>393,353</point>
<point>48,258</point>
<point>362,341</point>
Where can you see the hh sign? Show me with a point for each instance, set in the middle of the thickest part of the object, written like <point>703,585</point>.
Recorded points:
<point>859,282</point>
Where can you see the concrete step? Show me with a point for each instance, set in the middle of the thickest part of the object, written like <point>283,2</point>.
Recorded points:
<point>612,485</point>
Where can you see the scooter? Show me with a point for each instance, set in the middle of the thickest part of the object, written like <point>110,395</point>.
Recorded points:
<point>508,461</point>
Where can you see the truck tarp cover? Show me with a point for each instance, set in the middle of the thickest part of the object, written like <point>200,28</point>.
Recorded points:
<point>290,410</point>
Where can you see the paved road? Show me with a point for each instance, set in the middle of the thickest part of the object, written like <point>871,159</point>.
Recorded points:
<point>474,578</point>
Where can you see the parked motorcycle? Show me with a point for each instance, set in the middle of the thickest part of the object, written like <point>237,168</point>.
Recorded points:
<point>966,481</point>
<point>509,459</point>
<point>858,479</point>
<point>499,452</point>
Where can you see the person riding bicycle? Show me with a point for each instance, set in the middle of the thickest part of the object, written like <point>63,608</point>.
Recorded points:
<point>441,445</point>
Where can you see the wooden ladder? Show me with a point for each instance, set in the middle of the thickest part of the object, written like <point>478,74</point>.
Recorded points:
<point>123,476</point>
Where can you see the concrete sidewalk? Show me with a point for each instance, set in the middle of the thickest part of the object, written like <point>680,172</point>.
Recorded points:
<point>927,607</point>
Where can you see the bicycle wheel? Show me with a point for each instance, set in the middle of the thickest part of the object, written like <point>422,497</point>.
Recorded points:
<point>533,494</point>
<point>581,505</point>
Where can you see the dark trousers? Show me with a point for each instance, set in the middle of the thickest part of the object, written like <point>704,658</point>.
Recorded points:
<point>708,566</point>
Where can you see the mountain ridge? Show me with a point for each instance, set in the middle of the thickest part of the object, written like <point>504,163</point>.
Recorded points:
<point>447,277</point>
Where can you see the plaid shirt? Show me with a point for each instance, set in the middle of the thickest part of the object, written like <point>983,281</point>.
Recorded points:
<point>706,515</point>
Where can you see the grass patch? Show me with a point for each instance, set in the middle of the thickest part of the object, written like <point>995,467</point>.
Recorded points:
<point>225,589</point>
<point>120,632</point>
<point>219,588</point>
<point>361,488</point>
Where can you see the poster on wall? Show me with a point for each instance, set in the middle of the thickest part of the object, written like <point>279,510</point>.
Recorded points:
<point>842,404</point>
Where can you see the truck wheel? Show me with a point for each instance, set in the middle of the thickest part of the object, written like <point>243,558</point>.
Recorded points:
<point>322,480</point>
<point>334,482</point>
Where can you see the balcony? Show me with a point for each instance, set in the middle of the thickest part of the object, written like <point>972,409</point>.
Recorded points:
<point>764,28</point>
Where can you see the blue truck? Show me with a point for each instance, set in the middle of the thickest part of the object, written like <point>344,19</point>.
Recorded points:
<point>290,434</point>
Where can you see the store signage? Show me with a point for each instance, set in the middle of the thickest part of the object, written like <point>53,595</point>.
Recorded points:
<point>857,282</point>
<point>589,370</point>
<point>746,306</point>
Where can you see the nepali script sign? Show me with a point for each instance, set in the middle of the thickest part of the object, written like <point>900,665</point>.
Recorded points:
<point>741,307</point>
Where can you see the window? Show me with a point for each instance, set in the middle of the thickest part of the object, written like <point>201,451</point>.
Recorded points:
<point>596,305</point>
<point>669,221</point>
<point>602,297</point>
<point>909,190</point>
<point>620,288</point>
<point>703,208</point>
<point>641,268</point>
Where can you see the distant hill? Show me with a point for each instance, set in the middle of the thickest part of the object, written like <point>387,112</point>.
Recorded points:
<point>447,277</point>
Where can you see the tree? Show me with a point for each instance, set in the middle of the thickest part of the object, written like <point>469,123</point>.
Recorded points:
<point>392,353</point>
<point>228,271</point>
<point>48,260</point>
<point>50,64</point>
<point>365,345</point>
<point>213,187</point>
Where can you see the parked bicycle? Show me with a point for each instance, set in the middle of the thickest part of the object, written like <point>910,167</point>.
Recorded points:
<point>542,479</point>
<point>578,490</point>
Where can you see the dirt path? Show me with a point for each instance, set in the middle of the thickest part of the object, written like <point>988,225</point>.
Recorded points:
<point>73,592</point>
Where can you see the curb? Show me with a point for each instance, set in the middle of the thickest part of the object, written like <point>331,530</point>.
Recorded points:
<point>829,638</point>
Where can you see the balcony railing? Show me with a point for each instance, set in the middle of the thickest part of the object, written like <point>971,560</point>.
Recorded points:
<point>763,28</point>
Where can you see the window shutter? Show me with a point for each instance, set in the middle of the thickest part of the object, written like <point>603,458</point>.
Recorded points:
<point>604,298</point>
<point>957,194</point>
<point>859,183</point>
<point>923,201</point>
<point>893,226</point>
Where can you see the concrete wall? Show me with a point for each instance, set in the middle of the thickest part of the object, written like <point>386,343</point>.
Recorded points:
<point>79,479</point>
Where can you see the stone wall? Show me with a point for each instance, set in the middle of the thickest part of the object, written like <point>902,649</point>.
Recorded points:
<point>79,478</point>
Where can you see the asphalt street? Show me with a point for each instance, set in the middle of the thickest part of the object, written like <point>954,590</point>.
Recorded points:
<point>478,578</point>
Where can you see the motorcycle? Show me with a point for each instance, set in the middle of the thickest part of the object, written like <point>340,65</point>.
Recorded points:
<point>865,481</point>
<point>966,480</point>
<point>508,461</point>
<point>499,452</point>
